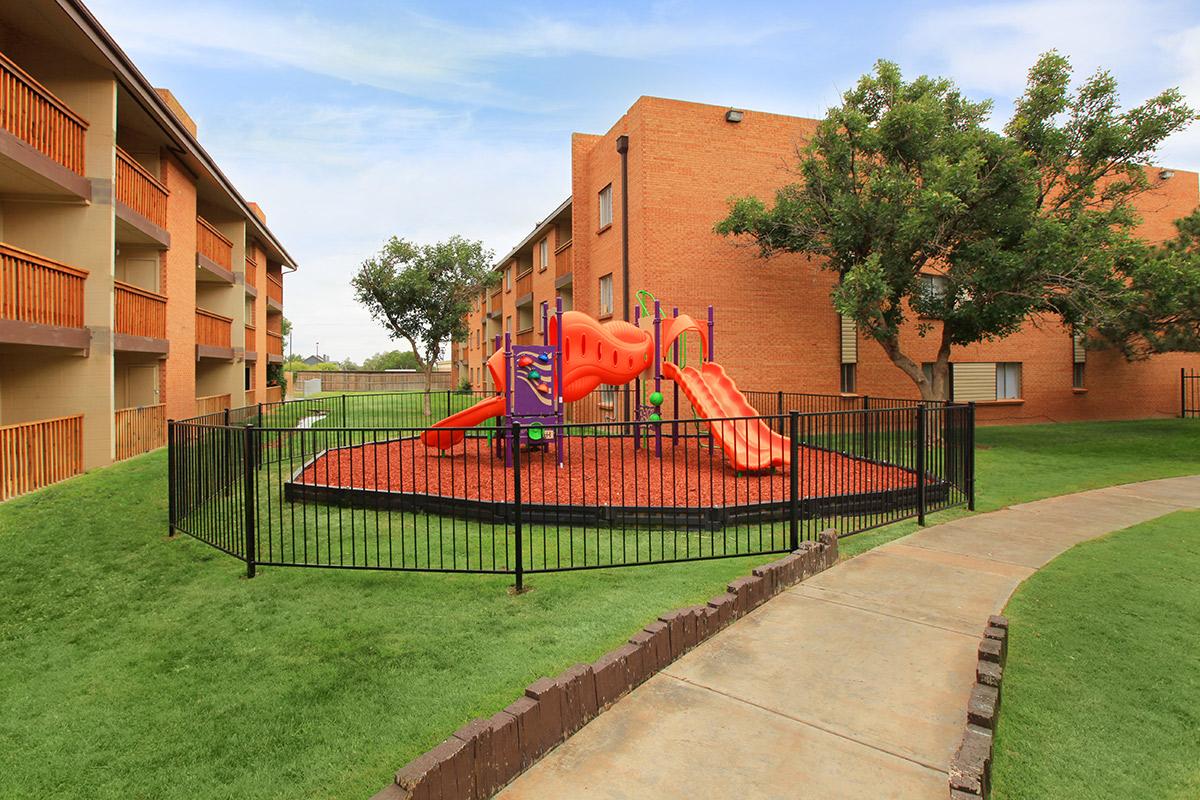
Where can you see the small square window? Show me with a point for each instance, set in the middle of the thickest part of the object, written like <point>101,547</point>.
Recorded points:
<point>1008,380</point>
<point>606,295</point>
<point>606,210</point>
<point>849,378</point>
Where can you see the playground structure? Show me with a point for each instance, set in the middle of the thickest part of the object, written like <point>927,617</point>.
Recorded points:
<point>578,354</point>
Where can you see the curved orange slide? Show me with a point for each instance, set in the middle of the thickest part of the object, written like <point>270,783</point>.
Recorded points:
<point>613,353</point>
<point>749,443</point>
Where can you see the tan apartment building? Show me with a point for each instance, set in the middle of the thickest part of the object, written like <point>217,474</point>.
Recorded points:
<point>644,199</point>
<point>136,284</point>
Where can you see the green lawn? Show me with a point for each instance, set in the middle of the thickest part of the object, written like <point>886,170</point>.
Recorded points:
<point>1102,689</point>
<point>132,666</point>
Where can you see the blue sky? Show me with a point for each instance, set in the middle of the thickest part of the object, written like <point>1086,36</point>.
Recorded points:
<point>352,121</point>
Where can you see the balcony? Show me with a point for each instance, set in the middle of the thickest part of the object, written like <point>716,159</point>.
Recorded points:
<point>41,301</point>
<point>274,292</point>
<point>141,204</point>
<point>214,253</point>
<point>139,430</point>
<point>42,138</point>
<point>524,337</point>
<point>251,343</point>
<point>140,319</point>
<point>251,277</point>
<point>275,347</point>
<point>251,397</point>
<point>39,453</point>
<point>214,334</point>
<point>274,394</point>
<point>212,404</point>
<point>524,284</point>
<point>563,264</point>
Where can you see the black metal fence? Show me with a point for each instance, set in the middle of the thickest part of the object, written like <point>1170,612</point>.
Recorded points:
<point>345,482</point>
<point>1189,393</point>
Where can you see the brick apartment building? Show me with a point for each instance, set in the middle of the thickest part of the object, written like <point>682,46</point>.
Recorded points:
<point>136,284</point>
<point>644,199</point>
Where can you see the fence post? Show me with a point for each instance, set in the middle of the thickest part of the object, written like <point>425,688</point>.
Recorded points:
<point>171,477</point>
<point>344,425</point>
<point>1182,393</point>
<point>794,480</point>
<point>921,464</point>
<point>779,405</point>
<point>248,496</point>
<point>970,454</point>
<point>225,417</point>
<point>515,446</point>
<point>867,450</point>
<point>447,402</point>
<point>259,423</point>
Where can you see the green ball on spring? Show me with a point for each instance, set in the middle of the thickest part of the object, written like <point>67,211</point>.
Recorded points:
<point>656,399</point>
<point>655,417</point>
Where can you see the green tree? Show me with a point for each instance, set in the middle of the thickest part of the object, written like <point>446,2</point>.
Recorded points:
<point>924,212</point>
<point>392,359</point>
<point>422,293</point>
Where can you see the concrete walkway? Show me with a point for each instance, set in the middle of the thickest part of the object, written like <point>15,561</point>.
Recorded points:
<point>852,684</point>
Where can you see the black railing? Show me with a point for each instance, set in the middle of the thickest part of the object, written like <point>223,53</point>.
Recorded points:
<point>346,482</point>
<point>1189,393</point>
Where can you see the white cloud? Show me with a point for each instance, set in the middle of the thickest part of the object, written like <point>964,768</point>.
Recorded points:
<point>988,47</point>
<point>332,216</point>
<point>409,52</point>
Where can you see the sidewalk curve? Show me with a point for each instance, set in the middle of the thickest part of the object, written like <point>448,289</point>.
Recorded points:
<point>852,684</point>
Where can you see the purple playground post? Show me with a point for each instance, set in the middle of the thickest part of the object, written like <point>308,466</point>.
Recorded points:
<point>657,377</point>
<point>711,343</point>
<point>509,376</point>
<point>637,388</point>
<point>558,378</point>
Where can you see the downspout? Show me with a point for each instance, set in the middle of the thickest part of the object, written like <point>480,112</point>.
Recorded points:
<point>623,149</point>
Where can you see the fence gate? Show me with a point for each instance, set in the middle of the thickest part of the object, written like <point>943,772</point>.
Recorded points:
<point>1189,393</point>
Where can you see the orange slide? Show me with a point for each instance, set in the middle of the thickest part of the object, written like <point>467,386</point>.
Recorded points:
<point>749,443</point>
<point>593,353</point>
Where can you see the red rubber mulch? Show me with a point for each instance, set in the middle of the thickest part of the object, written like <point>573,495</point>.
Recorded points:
<point>596,470</point>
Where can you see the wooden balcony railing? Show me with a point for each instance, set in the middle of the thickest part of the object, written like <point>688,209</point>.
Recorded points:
<point>495,302</point>
<point>139,312</point>
<point>274,343</point>
<point>212,404</point>
<point>274,288</point>
<point>140,430</point>
<point>33,114</point>
<point>251,272</point>
<point>562,259</point>
<point>36,289</point>
<point>274,394</point>
<point>212,244</point>
<point>37,454</point>
<point>251,397</point>
<point>251,338</point>
<point>524,283</point>
<point>212,329</point>
<point>524,337</point>
<point>140,190</point>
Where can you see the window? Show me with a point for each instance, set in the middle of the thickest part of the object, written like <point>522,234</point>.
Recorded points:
<point>543,254</point>
<point>933,287</point>
<point>606,295</point>
<point>1008,380</point>
<point>508,324</point>
<point>848,378</point>
<point>1077,376</point>
<point>606,217</point>
<point>508,279</point>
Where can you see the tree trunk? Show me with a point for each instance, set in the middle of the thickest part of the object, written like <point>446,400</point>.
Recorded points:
<point>428,389</point>
<point>939,387</point>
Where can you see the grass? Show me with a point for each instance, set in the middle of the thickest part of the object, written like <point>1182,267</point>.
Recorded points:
<point>1102,688</point>
<point>133,666</point>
